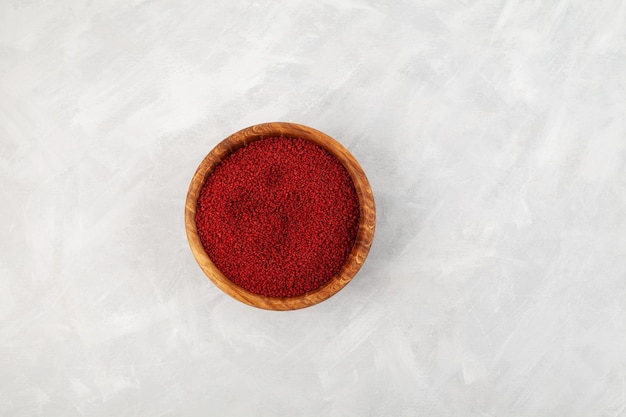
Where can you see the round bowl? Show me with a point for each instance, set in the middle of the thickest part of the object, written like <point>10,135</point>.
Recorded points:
<point>365,233</point>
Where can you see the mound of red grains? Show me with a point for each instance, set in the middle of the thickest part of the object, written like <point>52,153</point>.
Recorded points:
<point>278,217</point>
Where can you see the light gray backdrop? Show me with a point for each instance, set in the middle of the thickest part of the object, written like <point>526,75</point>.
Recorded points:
<point>494,136</point>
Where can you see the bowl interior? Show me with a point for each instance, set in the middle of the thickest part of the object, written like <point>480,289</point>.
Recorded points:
<point>365,233</point>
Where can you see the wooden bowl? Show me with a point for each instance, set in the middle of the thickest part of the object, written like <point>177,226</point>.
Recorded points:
<point>365,233</point>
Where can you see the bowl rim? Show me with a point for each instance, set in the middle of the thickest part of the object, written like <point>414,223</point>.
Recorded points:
<point>365,233</point>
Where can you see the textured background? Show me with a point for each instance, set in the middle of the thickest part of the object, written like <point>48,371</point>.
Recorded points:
<point>494,136</point>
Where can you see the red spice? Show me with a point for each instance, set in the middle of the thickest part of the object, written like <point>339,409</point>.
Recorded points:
<point>278,217</point>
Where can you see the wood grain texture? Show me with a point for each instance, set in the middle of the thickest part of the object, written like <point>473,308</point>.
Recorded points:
<point>367,221</point>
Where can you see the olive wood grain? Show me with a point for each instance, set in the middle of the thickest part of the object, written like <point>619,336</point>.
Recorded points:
<point>364,236</point>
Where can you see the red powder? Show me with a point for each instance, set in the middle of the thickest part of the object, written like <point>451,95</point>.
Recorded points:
<point>278,217</point>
